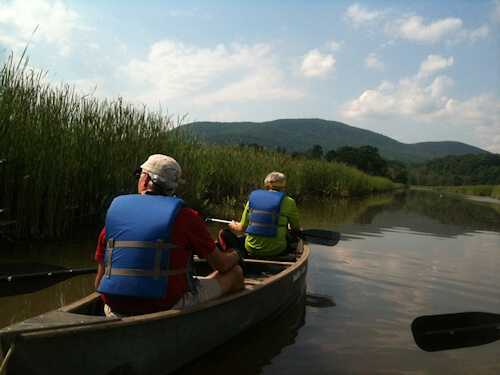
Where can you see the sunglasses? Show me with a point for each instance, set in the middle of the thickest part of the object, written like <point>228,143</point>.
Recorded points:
<point>137,173</point>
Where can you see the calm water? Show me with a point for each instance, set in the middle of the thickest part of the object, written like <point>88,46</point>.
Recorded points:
<point>401,256</point>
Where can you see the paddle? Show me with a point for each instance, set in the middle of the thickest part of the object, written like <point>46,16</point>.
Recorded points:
<point>452,331</point>
<point>28,277</point>
<point>317,236</point>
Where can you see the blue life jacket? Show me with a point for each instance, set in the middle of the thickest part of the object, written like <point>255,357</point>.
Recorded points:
<point>138,234</point>
<point>264,212</point>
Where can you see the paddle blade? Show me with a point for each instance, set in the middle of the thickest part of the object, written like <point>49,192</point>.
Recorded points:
<point>320,236</point>
<point>28,277</point>
<point>452,331</point>
<point>319,300</point>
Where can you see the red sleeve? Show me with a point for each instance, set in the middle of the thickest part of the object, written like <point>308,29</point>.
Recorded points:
<point>101,246</point>
<point>190,230</point>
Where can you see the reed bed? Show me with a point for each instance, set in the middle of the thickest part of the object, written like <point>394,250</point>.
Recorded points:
<point>65,156</point>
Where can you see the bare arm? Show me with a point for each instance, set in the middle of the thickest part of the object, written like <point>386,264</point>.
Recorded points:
<point>223,261</point>
<point>100,274</point>
<point>237,226</point>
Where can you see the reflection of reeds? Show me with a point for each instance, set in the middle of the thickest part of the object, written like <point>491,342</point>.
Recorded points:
<point>63,157</point>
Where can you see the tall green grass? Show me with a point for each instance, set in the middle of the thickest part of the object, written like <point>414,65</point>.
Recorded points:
<point>65,156</point>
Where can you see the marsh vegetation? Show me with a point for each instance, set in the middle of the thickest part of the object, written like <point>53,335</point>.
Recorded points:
<point>64,156</point>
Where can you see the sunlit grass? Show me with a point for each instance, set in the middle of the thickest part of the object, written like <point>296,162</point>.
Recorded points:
<point>64,157</point>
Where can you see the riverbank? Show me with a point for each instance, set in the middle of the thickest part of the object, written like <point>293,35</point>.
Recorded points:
<point>64,156</point>
<point>491,191</point>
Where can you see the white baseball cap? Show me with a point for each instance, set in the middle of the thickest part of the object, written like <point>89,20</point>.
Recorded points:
<point>164,166</point>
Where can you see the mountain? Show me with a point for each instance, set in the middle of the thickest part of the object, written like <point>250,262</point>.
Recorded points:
<point>300,135</point>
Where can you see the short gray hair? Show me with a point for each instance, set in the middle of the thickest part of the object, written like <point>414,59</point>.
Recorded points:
<point>276,179</point>
<point>162,185</point>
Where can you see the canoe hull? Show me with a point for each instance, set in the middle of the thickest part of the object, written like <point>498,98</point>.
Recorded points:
<point>152,343</point>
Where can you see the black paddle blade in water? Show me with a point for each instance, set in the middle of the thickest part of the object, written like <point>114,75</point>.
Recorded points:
<point>452,331</point>
<point>319,236</point>
<point>28,277</point>
<point>319,300</point>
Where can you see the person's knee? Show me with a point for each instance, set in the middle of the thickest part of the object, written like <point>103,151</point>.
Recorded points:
<point>231,280</point>
<point>238,277</point>
<point>239,273</point>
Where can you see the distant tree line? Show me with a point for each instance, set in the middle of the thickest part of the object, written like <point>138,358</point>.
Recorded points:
<point>452,170</point>
<point>366,158</point>
<point>457,170</point>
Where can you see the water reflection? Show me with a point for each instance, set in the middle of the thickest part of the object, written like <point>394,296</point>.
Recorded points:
<point>20,307</point>
<point>401,256</point>
<point>415,253</point>
<point>252,352</point>
<point>410,210</point>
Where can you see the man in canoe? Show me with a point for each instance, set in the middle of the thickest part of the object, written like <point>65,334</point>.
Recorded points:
<point>145,252</point>
<point>267,216</point>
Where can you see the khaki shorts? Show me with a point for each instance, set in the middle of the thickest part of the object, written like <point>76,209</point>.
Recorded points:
<point>207,288</point>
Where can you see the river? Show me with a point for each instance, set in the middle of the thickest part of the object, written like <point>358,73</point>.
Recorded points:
<point>401,256</point>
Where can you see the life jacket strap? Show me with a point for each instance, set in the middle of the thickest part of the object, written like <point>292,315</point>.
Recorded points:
<point>274,214</point>
<point>111,246</point>
<point>159,245</point>
<point>144,244</point>
<point>130,272</point>
<point>191,282</point>
<point>157,262</point>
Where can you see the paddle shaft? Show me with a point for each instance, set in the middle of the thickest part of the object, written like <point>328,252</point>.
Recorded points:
<point>82,271</point>
<point>47,274</point>
<point>317,236</point>
<point>218,220</point>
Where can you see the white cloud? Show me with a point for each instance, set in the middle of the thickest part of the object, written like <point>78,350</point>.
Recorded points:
<point>480,114</point>
<point>409,96</point>
<point>91,86</point>
<point>428,103</point>
<point>178,71</point>
<point>413,27</point>
<point>314,64</point>
<point>433,64</point>
<point>360,15</point>
<point>94,46</point>
<point>53,21</point>
<point>372,62</point>
<point>225,115</point>
<point>496,11</point>
<point>265,84</point>
<point>480,33</point>
<point>334,46</point>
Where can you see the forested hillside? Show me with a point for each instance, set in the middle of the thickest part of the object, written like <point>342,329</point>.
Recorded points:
<point>457,170</point>
<point>452,170</point>
<point>300,135</point>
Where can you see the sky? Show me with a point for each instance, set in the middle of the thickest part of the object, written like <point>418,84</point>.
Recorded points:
<point>415,71</point>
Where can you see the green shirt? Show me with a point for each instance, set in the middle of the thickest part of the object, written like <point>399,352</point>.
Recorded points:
<point>268,246</point>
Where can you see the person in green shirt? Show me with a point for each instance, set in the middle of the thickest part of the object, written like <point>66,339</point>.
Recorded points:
<point>267,217</point>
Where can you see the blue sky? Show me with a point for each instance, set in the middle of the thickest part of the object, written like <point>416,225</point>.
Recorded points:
<point>411,70</point>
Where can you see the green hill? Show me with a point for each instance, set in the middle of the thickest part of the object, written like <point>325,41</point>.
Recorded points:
<point>300,135</point>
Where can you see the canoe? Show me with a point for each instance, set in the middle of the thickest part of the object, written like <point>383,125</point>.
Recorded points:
<point>78,337</point>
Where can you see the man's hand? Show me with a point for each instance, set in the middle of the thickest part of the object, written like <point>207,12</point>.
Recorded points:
<point>237,226</point>
<point>241,254</point>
